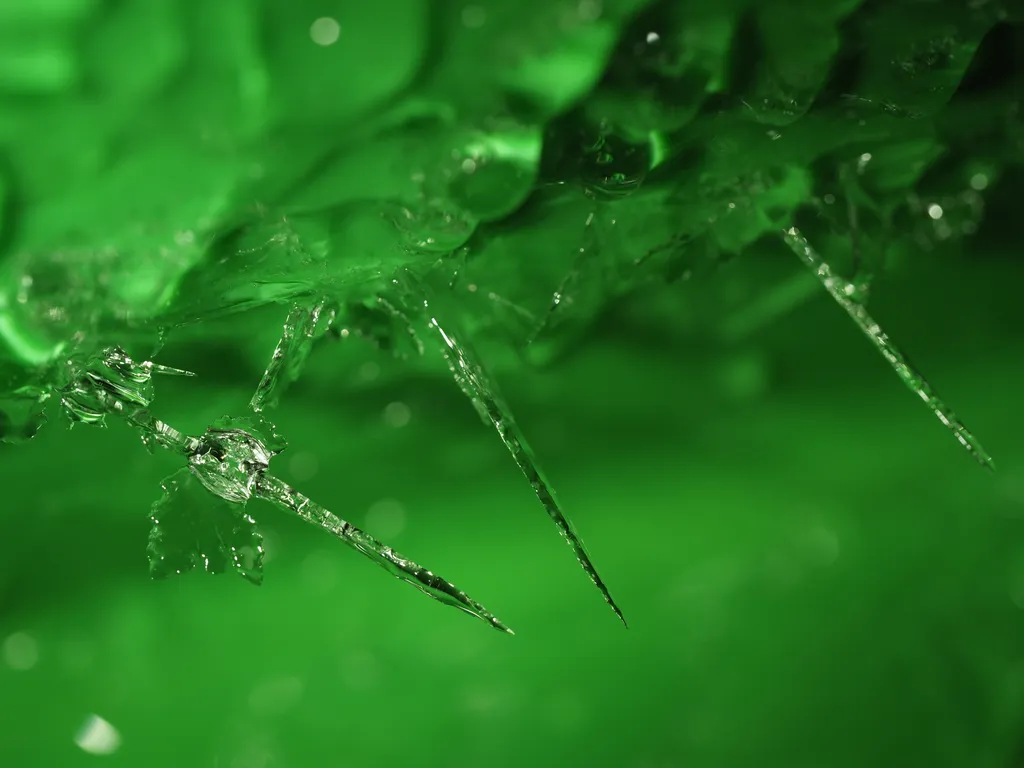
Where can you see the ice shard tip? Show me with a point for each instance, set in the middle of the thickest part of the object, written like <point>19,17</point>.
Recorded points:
<point>473,381</point>
<point>282,495</point>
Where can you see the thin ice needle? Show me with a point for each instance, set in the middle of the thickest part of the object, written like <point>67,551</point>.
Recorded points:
<point>282,495</point>
<point>164,370</point>
<point>843,291</point>
<point>473,381</point>
<point>585,253</point>
<point>297,336</point>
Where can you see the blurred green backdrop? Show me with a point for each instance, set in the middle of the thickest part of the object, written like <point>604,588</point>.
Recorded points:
<point>814,573</point>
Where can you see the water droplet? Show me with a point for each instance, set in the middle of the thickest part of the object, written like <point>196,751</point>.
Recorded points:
<point>437,226</point>
<point>612,167</point>
<point>496,170</point>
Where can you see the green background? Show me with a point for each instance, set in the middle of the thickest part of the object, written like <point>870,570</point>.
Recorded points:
<point>814,572</point>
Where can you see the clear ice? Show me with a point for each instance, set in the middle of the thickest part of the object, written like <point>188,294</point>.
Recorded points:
<point>201,520</point>
<point>388,318</point>
<point>306,322</point>
<point>477,385</point>
<point>22,411</point>
<point>109,383</point>
<point>846,295</point>
<point>193,529</point>
<point>279,493</point>
<point>231,462</point>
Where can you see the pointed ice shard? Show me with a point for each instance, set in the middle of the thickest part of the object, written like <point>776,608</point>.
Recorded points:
<point>231,461</point>
<point>282,495</point>
<point>844,292</point>
<point>210,528</point>
<point>475,383</point>
<point>109,383</point>
<point>306,322</point>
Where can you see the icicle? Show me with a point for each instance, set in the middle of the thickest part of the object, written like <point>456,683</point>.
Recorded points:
<point>303,326</point>
<point>279,493</point>
<point>844,292</point>
<point>477,386</point>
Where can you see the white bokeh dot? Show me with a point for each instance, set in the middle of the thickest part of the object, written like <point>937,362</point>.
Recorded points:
<point>97,736</point>
<point>397,414</point>
<point>385,519</point>
<point>368,371</point>
<point>325,31</point>
<point>473,16</point>
<point>20,651</point>
<point>303,466</point>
